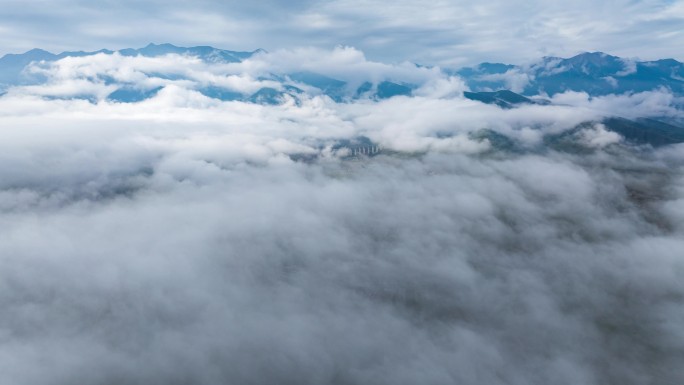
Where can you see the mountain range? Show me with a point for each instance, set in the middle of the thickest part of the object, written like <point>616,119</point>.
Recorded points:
<point>12,65</point>
<point>595,73</point>
<point>13,72</point>
<point>504,85</point>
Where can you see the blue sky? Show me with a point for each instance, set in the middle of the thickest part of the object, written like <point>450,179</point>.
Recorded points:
<point>439,32</point>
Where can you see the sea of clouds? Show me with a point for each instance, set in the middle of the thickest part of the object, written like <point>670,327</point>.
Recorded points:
<point>186,240</point>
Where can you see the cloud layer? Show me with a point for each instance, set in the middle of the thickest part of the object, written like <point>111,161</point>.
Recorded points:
<point>183,239</point>
<point>442,32</point>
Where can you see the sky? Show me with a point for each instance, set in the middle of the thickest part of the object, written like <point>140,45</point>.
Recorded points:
<point>440,32</point>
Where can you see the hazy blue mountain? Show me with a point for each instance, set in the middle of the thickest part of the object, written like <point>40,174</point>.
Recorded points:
<point>634,132</point>
<point>12,73</point>
<point>387,90</point>
<point>81,53</point>
<point>497,141</point>
<point>207,53</point>
<point>484,77</point>
<point>502,98</point>
<point>338,90</point>
<point>220,93</point>
<point>646,131</point>
<point>130,94</point>
<point>383,90</point>
<point>596,73</point>
<point>334,88</point>
<point>12,65</point>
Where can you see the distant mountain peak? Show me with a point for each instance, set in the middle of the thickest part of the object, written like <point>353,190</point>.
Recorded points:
<point>37,51</point>
<point>593,58</point>
<point>596,73</point>
<point>595,54</point>
<point>153,45</point>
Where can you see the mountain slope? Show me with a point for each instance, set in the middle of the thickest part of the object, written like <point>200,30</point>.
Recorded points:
<point>595,73</point>
<point>222,84</point>
<point>505,85</point>
<point>12,65</point>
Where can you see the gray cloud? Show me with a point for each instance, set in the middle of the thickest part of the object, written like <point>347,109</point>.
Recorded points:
<point>175,240</point>
<point>441,32</point>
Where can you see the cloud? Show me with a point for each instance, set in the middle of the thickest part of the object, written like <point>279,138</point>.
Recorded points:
<point>445,32</point>
<point>630,68</point>
<point>598,136</point>
<point>643,104</point>
<point>186,239</point>
<point>98,75</point>
<point>514,79</point>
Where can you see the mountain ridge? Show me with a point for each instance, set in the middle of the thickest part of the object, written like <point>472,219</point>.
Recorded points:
<point>12,68</point>
<point>12,65</point>
<point>596,73</point>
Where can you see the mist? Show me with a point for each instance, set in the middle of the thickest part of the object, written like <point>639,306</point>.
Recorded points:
<point>185,240</point>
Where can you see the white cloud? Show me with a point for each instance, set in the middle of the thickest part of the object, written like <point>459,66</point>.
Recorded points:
<point>182,237</point>
<point>611,80</point>
<point>598,136</point>
<point>98,74</point>
<point>514,79</point>
<point>630,67</point>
